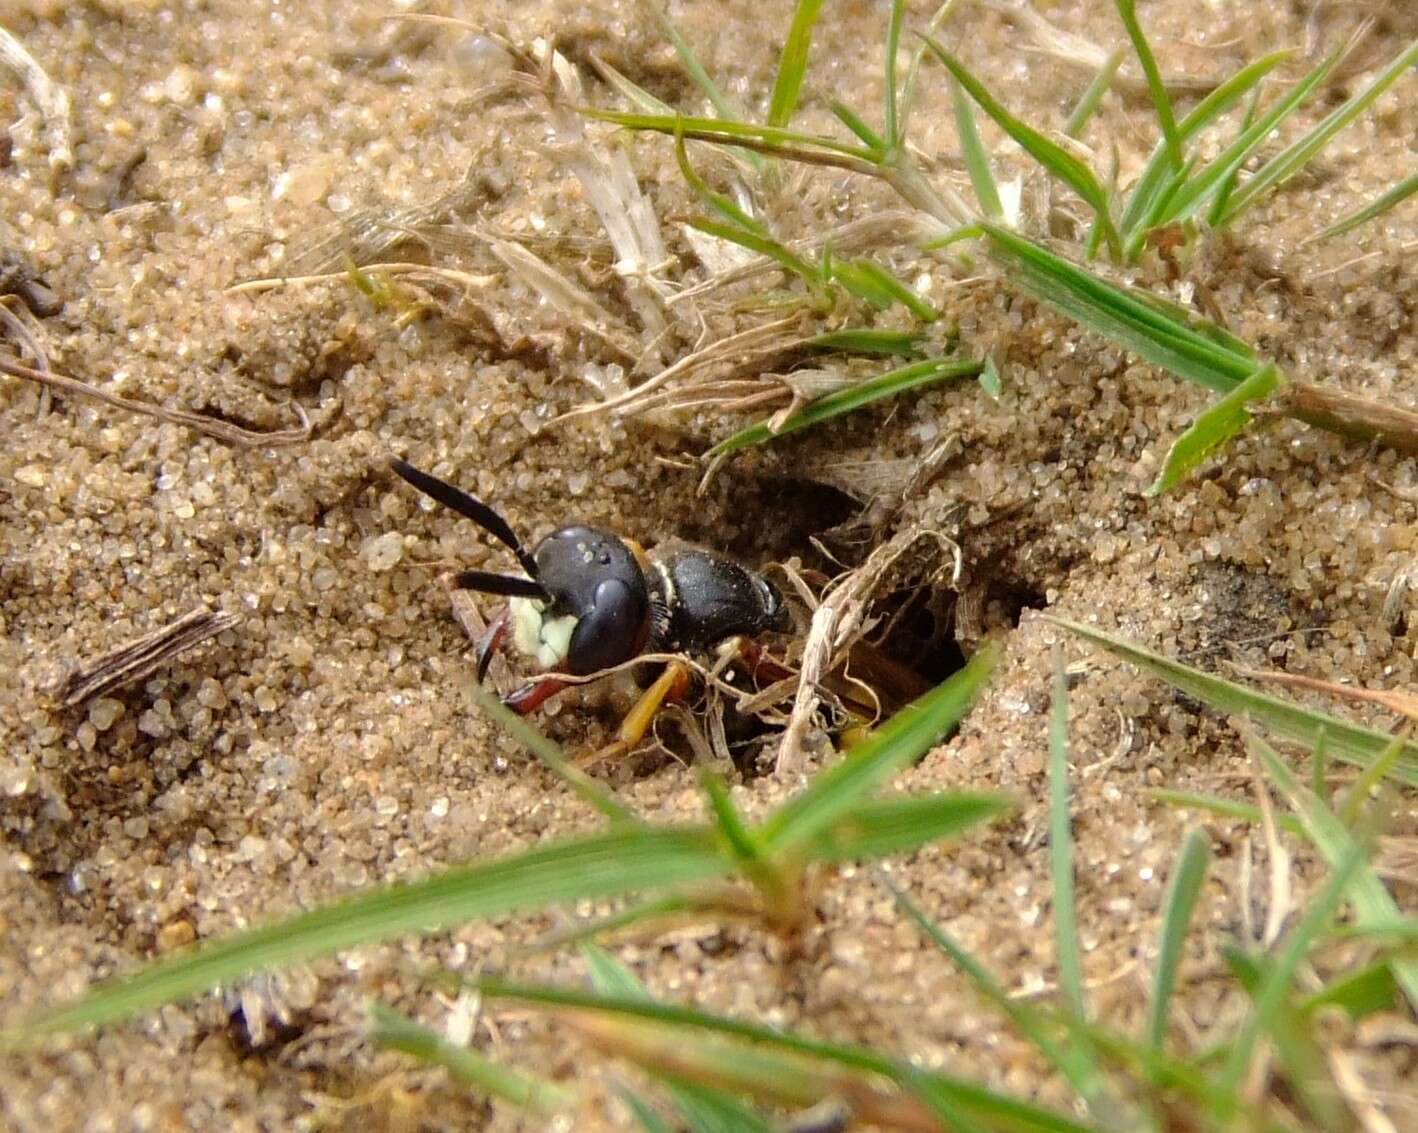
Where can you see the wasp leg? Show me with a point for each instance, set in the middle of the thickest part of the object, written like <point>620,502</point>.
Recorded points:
<point>531,696</point>
<point>672,684</point>
<point>486,647</point>
<point>760,666</point>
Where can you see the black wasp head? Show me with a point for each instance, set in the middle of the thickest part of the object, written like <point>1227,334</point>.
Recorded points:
<point>584,573</point>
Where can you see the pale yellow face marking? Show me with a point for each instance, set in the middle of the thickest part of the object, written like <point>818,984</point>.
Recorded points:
<point>545,640</point>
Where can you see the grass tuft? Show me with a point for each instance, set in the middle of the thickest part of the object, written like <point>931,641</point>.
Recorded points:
<point>891,384</point>
<point>468,1067</point>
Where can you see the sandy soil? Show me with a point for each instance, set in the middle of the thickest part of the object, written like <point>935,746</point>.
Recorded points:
<point>323,743</point>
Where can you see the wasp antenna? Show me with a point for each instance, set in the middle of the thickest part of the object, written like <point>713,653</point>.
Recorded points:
<point>507,585</point>
<point>472,508</point>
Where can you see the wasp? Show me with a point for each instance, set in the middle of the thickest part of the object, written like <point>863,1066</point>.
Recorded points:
<point>588,600</point>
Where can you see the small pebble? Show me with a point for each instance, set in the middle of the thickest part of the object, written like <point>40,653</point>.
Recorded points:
<point>175,934</point>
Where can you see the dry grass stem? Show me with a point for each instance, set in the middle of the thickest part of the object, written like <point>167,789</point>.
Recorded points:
<point>574,302</point>
<point>1084,53</point>
<point>50,98</point>
<point>1351,415</point>
<point>725,350</point>
<point>1403,703</point>
<point>462,279</point>
<point>223,431</point>
<point>835,622</point>
<point>894,228</point>
<point>365,235</point>
<point>646,1046</point>
<point>144,655</point>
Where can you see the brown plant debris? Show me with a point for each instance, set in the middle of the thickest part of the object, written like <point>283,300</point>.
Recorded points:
<point>144,655</point>
<point>19,279</point>
<point>223,431</point>
<point>51,99</point>
<point>1402,703</point>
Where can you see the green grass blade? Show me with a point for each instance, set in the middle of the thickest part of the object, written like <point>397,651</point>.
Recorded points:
<point>845,786</point>
<point>890,125</point>
<point>701,78</point>
<point>770,138</point>
<point>1286,719</point>
<point>632,91</point>
<point>954,236</point>
<point>907,101</point>
<point>977,160</point>
<point>1358,994</point>
<point>1093,96</point>
<point>1225,808</point>
<point>989,378</point>
<point>862,284</point>
<point>1375,208</point>
<point>640,912</point>
<point>871,340</point>
<point>998,1110</point>
<point>792,64</point>
<point>1319,768</point>
<point>1228,183</point>
<point>1053,157</point>
<point>1061,849</point>
<point>950,1115</point>
<point>1402,931</point>
<point>693,67</point>
<point>1185,203</point>
<point>1296,155</point>
<point>876,284</point>
<point>1147,192</point>
<point>610,977</point>
<point>854,122</point>
<point>589,789</point>
<point>731,824</point>
<point>707,1110</point>
<point>1206,329</point>
<point>1110,311</point>
<point>743,843</point>
<point>1183,888</point>
<point>643,1111</point>
<point>1302,1063</point>
<point>878,828</point>
<point>704,1110</point>
<point>1070,1059</point>
<point>1229,93</point>
<point>1372,902</point>
<point>766,246</point>
<point>1161,100</point>
<point>602,865</point>
<point>1271,995</point>
<point>1368,780</point>
<point>891,384</point>
<point>722,203</point>
<point>468,1067</point>
<point>1218,425</point>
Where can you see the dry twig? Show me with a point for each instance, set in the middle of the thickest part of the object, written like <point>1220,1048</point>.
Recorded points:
<point>51,99</point>
<point>834,624</point>
<point>143,655</point>
<point>223,431</point>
